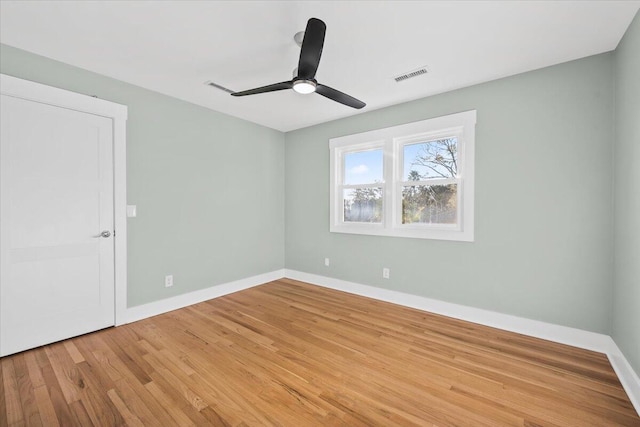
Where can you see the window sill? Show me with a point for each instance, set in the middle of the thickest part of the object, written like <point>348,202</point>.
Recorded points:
<point>414,232</point>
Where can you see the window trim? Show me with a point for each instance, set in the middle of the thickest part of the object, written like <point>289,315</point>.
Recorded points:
<point>392,140</point>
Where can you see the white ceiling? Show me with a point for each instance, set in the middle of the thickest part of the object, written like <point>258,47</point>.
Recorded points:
<point>173,47</point>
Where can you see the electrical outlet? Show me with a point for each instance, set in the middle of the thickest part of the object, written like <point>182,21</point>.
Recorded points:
<point>326,262</point>
<point>168,281</point>
<point>385,273</point>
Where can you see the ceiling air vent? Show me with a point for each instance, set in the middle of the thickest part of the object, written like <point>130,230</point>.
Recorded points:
<point>217,86</point>
<point>410,74</point>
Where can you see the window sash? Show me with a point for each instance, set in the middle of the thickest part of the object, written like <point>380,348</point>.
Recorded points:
<point>431,182</point>
<point>354,186</point>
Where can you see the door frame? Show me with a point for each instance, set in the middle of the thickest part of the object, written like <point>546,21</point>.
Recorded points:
<point>29,90</point>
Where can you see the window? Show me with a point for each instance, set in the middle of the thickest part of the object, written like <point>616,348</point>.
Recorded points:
<point>363,186</point>
<point>412,180</point>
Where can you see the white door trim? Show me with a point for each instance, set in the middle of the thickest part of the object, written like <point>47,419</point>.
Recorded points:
<point>25,89</point>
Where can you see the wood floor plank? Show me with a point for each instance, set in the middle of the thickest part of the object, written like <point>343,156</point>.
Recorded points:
<point>47,413</point>
<point>4,420</point>
<point>56,396</point>
<point>80,413</point>
<point>175,411</point>
<point>34,370</point>
<point>73,351</point>
<point>94,398</point>
<point>13,414</point>
<point>30,408</point>
<point>292,354</point>
<point>65,371</point>
<point>130,418</point>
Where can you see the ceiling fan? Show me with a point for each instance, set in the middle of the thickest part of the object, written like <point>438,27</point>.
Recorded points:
<point>304,82</point>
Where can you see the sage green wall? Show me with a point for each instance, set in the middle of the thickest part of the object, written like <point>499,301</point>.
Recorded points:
<point>543,246</point>
<point>208,186</point>
<point>626,303</point>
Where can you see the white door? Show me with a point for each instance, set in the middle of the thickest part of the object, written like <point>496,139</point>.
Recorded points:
<point>56,224</point>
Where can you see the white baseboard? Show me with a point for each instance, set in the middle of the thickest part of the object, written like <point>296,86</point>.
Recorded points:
<point>140,312</point>
<point>548,331</point>
<point>627,376</point>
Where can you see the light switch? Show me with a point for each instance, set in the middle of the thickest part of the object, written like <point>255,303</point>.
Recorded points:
<point>132,212</point>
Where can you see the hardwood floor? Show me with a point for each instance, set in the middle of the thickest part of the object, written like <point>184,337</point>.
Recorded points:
<point>292,354</point>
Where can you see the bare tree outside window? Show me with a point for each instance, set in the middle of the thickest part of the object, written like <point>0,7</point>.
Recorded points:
<point>424,202</point>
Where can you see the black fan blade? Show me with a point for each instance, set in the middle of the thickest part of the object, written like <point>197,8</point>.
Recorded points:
<point>311,49</point>
<point>269,88</point>
<point>338,96</point>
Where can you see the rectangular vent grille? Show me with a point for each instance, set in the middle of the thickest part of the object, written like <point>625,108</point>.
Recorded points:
<point>217,86</point>
<point>410,74</point>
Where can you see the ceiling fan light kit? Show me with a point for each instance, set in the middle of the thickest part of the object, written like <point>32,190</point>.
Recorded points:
<point>304,82</point>
<point>304,86</point>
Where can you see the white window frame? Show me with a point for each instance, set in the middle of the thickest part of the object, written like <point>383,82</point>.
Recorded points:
<point>392,141</point>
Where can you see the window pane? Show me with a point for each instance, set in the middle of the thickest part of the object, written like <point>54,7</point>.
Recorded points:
<point>430,204</point>
<point>433,159</point>
<point>363,167</point>
<point>363,205</point>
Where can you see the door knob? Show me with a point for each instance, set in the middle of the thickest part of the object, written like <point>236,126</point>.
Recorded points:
<point>105,233</point>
